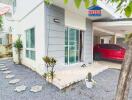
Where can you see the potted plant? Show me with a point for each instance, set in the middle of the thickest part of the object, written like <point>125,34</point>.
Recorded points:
<point>18,45</point>
<point>50,63</point>
<point>88,80</point>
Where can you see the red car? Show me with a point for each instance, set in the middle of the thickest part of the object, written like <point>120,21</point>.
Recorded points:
<point>109,51</point>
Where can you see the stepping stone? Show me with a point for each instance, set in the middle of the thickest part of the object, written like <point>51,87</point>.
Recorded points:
<point>1,64</point>
<point>20,88</point>
<point>4,69</point>
<point>9,76</point>
<point>7,72</point>
<point>14,81</point>
<point>36,88</point>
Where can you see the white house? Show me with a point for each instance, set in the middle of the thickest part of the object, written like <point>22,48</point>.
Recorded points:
<point>61,31</point>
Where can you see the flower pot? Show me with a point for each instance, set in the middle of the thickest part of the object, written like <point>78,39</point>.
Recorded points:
<point>88,84</point>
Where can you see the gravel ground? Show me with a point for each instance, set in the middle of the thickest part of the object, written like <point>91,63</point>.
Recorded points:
<point>104,89</point>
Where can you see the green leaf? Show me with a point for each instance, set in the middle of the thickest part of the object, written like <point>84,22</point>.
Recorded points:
<point>77,3</point>
<point>1,22</point>
<point>128,11</point>
<point>130,5</point>
<point>48,2</point>
<point>87,3</point>
<point>94,2</point>
<point>65,1</point>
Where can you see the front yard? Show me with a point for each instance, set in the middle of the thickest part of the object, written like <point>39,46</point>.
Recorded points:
<point>104,90</point>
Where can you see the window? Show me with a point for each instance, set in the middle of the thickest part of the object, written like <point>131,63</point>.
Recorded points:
<point>102,41</point>
<point>14,6</point>
<point>30,43</point>
<point>0,40</point>
<point>110,46</point>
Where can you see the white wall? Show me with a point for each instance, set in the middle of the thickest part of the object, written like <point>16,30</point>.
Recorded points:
<point>24,6</point>
<point>74,20</point>
<point>106,39</point>
<point>34,19</point>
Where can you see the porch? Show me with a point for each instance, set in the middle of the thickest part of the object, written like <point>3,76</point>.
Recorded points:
<point>68,75</point>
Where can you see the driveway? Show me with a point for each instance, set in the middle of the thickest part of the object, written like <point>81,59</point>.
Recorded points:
<point>104,89</point>
<point>110,64</point>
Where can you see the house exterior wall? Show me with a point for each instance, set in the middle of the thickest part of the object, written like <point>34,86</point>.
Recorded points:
<point>4,38</point>
<point>78,22</point>
<point>55,33</point>
<point>106,39</point>
<point>34,19</point>
<point>23,7</point>
<point>88,42</point>
<point>50,35</point>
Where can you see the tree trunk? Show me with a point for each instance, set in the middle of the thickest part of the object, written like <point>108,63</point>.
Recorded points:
<point>125,75</point>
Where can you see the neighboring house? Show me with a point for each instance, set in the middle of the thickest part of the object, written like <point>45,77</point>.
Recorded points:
<point>61,31</point>
<point>5,45</point>
<point>6,36</point>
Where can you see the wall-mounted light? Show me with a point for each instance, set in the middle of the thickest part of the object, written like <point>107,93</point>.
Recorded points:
<point>56,20</point>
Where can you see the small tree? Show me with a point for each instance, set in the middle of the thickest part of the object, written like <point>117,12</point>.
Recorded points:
<point>1,23</point>
<point>18,45</point>
<point>50,63</point>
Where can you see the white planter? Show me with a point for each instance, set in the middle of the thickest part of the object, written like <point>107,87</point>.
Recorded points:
<point>88,84</point>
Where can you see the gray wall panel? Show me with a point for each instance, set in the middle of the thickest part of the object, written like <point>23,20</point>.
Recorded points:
<point>88,41</point>
<point>55,32</point>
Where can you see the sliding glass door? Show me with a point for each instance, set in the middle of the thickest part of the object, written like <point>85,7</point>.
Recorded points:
<point>72,50</point>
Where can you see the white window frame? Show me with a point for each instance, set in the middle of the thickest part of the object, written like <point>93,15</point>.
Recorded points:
<point>29,49</point>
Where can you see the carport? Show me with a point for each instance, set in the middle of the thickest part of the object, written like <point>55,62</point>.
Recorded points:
<point>116,28</point>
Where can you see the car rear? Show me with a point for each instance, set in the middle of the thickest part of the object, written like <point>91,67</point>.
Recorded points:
<point>109,51</point>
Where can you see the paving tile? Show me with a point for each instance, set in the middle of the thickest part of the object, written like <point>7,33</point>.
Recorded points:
<point>14,81</point>
<point>4,69</point>
<point>2,64</point>
<point>20,88</point>
<point>36,88</point>
<point>10,76</point>
<point>7,72</point>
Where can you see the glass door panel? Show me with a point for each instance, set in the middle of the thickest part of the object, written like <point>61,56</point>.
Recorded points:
<point>71,46</point>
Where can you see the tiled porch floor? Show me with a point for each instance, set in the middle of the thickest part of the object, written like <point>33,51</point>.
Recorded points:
<point>73,74</point>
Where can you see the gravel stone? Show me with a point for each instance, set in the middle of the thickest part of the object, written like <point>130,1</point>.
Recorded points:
<point>105,88</point>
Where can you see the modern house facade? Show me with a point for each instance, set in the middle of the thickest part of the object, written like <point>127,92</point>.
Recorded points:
<point>61,31</point>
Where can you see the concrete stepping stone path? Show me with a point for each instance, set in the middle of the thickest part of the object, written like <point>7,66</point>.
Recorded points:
<point>36,88</point>
<point>14,81</point>
<point>4,69</point>
<point>20,88</point>
<point>1,64</point>
<point>7,72</point>
<point>10,76</point>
